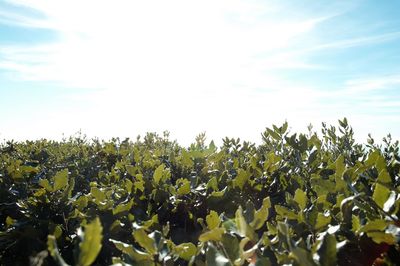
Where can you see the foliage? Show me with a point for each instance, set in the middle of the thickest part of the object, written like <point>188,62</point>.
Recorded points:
<point>299,199</point>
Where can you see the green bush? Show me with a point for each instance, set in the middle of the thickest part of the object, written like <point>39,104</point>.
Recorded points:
<point>299,199</point>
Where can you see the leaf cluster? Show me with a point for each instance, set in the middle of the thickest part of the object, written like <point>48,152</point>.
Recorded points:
<point>296,199</point>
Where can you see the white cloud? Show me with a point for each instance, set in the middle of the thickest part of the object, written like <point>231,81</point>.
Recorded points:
<point>180,65</point>
<point>127,43</point>
<point>372,83</point>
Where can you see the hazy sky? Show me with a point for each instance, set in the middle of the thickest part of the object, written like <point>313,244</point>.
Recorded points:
<point>230,68</point>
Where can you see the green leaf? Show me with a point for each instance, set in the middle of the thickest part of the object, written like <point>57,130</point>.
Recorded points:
<point>301,256</point>
<point>186,250</point>
<point>144,240</point>
<point>218,194</point>
<point>213,183</point>
<point>355,223</point>
<point>231,246</point>
<point>123,207</point>
<point>57,231</point>
<point>382,237</point>
<point>372,158</point>
<point>158,173</point>
<point>90,244</point>
<point>132,252</point>
<point>213,220</point>
<point>322,221</point>
<point>184,186</point>
<point>241,223</point>
<point>384,176</point>
<point>380,163</point>
<point>28,169</point>
<point>131,170</point>
<point>263,261</point>
<point>97,194</point>
<point>45,184</point>
<point>10,221</point>
<point>149,223</point>
<point>186,159</point>
<point>274,134</point>
<point>284,127</point>
<point>53,250</point>
<point>215,258</point>
<point>375,225</point>
<point>300,198</point>
<point>327,250</point>
<point>128,185</point>
<point>241,179</point>
<point>139,185</point>
<point>285,212</point>
<point>61,179</point>
<point>272,162</point>
<point>322,186</point>
<point>81,202</point>
<point>303,143</point>
<point>376,159</point>
<point>343,123</point>
<point>212,235</point>
<point>242,228</point>
<point>340,167</point>
<point>249,212</point>
<point>381,194</point>
<point>261,215</point>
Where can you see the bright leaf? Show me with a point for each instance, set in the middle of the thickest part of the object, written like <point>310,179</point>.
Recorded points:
<point>301,198</point>
<point>61,179</point>
<point>381,194</point>
<point>184,186</point>
<point>382,237</point>
<point>384,176</point>
<point>213,220</point>
<point>132,252</point>
<point>123,207</point>
<point>186,250</point>
<point>144,240</point>
<point>285,212</point>
<point>241,179</point>
<point>261,215</point>
<point>375,225</point>
<point>212,235</point>
<point>90,245</point>
<point>322,221</point>
<point>158,174</point>
<point>45,184</point>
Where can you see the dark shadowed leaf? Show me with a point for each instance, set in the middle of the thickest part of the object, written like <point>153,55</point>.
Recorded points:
<point>214,257</point>
<point>327,250</point>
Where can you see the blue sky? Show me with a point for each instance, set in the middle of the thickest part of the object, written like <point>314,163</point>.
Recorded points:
<point>230,68</point>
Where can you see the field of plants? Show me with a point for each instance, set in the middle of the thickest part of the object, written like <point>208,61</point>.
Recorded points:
<point>295,199</point>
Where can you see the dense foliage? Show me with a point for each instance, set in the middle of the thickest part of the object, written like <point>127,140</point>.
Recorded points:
<point>300,199</point>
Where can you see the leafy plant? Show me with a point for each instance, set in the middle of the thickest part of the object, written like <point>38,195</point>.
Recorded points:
<point>298,199</point>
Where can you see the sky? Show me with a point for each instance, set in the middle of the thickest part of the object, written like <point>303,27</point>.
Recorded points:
<point>231,68</point>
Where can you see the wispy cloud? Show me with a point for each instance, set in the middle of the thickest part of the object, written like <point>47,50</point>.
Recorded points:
<point>130,43</point>
<point>371,84</point>
<point>216,65</point>
<point>354,42</point>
